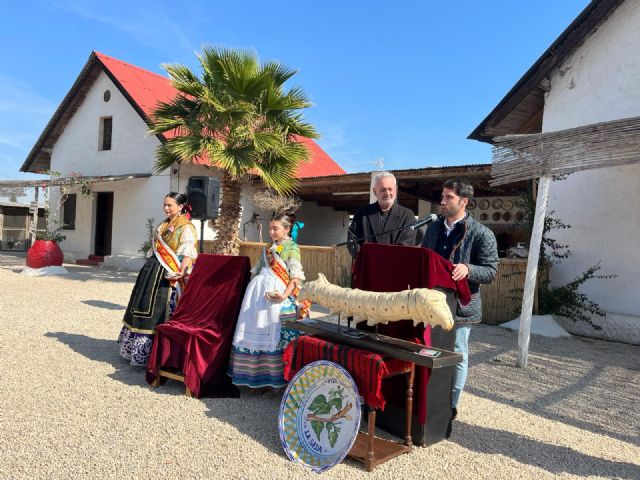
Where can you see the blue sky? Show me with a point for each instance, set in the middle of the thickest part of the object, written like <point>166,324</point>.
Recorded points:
<point>406,81</point>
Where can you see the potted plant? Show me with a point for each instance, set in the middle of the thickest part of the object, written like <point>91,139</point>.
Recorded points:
<point>45,251</point>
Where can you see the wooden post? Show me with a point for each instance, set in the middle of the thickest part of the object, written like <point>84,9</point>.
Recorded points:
<point>34,219</point>
<point>532,271</point>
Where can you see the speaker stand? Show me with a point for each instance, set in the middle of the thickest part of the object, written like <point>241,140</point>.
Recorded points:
<point>202,235</point>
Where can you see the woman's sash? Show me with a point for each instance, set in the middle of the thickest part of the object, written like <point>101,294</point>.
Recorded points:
<point>170,262</point>
<point>277,267</point>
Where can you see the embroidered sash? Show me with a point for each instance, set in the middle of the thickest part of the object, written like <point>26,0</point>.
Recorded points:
<point>169,261</point>
<point>276,265</point>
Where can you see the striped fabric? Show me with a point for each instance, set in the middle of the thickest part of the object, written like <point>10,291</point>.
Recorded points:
<point>368,369</point>
<point>257,369</point>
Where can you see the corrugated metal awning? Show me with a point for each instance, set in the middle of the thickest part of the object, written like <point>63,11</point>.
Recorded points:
<point>72,180</point>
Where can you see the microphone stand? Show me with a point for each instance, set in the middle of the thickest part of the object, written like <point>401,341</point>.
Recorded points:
<point>372,235</point>
<point>354,241</point>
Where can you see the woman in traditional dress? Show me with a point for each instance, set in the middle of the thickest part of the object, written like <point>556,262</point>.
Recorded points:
<point>161,280</point>
<point>269,301</point>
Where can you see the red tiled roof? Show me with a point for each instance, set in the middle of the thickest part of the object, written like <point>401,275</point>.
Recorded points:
<point>146,89</point>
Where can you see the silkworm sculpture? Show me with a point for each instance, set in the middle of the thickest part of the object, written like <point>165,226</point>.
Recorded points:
<point>422,305</point>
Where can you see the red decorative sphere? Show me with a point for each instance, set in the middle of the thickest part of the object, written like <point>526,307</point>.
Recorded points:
<point>44,253</point>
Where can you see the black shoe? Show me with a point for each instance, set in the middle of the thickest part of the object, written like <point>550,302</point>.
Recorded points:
<point>454,413</point>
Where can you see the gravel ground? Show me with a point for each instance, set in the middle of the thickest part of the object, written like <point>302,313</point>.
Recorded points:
<point>71,408</point>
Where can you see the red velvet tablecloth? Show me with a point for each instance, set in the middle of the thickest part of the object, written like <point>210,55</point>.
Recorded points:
<point>197,340</point>
<point>392,268</point>
<point>367,368</point>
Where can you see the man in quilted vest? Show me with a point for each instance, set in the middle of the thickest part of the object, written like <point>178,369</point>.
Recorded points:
<point>473,250</point>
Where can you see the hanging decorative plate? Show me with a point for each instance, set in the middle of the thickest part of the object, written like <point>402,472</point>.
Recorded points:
<point>506,216</point>
<point>507,204</point>
<point>471,205</point>
<point>484,216</point>
<point>484,204</point>
<point>319,415</point>
<point>496,216</point>
<point>519,216</point>
<point>497,204</point>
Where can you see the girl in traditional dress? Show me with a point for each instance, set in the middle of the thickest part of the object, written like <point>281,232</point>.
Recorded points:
<point>161,280</point>
<point>269,301</point>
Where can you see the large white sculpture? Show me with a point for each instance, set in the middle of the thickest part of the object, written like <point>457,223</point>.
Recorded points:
<point>422,305</point>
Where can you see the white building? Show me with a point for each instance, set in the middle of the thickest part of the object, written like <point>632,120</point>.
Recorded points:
<point>590,74</point>
<point>100,129</point>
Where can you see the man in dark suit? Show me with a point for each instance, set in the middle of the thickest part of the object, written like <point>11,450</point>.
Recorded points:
<point>380,222</point>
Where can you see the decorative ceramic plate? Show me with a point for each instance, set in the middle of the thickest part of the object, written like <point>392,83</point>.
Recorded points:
<point>319,415</point>
<point>484,204</point>
<point>496,216</point>
<point>507,204</point>
<point>506,216</point>
<point>497,204</point>
<point>519,216</point>
<point>484,216</point>
<point>471,205</point>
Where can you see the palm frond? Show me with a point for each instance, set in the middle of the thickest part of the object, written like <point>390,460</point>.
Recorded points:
<point>267,141</point>
<point>278,72</point>
<point>236,161</point>
<point>187,147</point>
<point>279,176</point>
<point>164,159</point>
<point>184,80</point>
<point>237,115</point>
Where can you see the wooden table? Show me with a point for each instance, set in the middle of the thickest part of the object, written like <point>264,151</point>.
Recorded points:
<point>368,448</point>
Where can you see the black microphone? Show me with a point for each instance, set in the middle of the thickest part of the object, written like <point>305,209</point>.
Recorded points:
<point>431,218</point>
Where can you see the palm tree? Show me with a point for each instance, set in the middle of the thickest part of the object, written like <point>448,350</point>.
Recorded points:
<point>238,117</point>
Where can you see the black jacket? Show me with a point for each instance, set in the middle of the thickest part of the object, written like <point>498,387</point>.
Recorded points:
<point>477,248</point>
<point>367,221</point>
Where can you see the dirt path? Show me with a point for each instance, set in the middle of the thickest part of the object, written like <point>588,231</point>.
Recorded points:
<point>71,408</point>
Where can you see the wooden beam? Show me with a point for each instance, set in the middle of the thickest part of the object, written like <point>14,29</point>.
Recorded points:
<point>524,332</point>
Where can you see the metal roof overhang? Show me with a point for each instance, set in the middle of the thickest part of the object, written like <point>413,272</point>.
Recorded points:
<point>62,181</point>
<point>351,191</point>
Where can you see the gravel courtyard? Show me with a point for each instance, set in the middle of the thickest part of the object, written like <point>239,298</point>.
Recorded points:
<point>70,407</point>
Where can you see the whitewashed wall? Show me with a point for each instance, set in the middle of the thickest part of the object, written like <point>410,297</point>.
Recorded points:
<point>600,82</point>
<point>322,225</point>
<point>132,151</point>
<point>136,200</point>
<point>76,150</point>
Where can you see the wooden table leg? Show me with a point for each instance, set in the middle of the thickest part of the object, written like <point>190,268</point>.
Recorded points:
<point>409,405</point>
<point>371,418</point>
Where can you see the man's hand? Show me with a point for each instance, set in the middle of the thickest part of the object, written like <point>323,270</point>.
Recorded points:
<point>460,271</point>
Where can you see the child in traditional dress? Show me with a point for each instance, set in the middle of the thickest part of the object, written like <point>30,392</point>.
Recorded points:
<point>269,301</point>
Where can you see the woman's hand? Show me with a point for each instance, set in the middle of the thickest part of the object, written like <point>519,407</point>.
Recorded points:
<point>175,276</point>
<point>275,296</point>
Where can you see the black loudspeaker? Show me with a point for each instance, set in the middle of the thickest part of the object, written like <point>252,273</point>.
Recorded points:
<point>203,194</point>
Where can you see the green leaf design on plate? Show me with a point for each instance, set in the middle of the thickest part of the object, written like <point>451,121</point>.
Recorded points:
<point>320,406</point>
<point>317,427</point>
